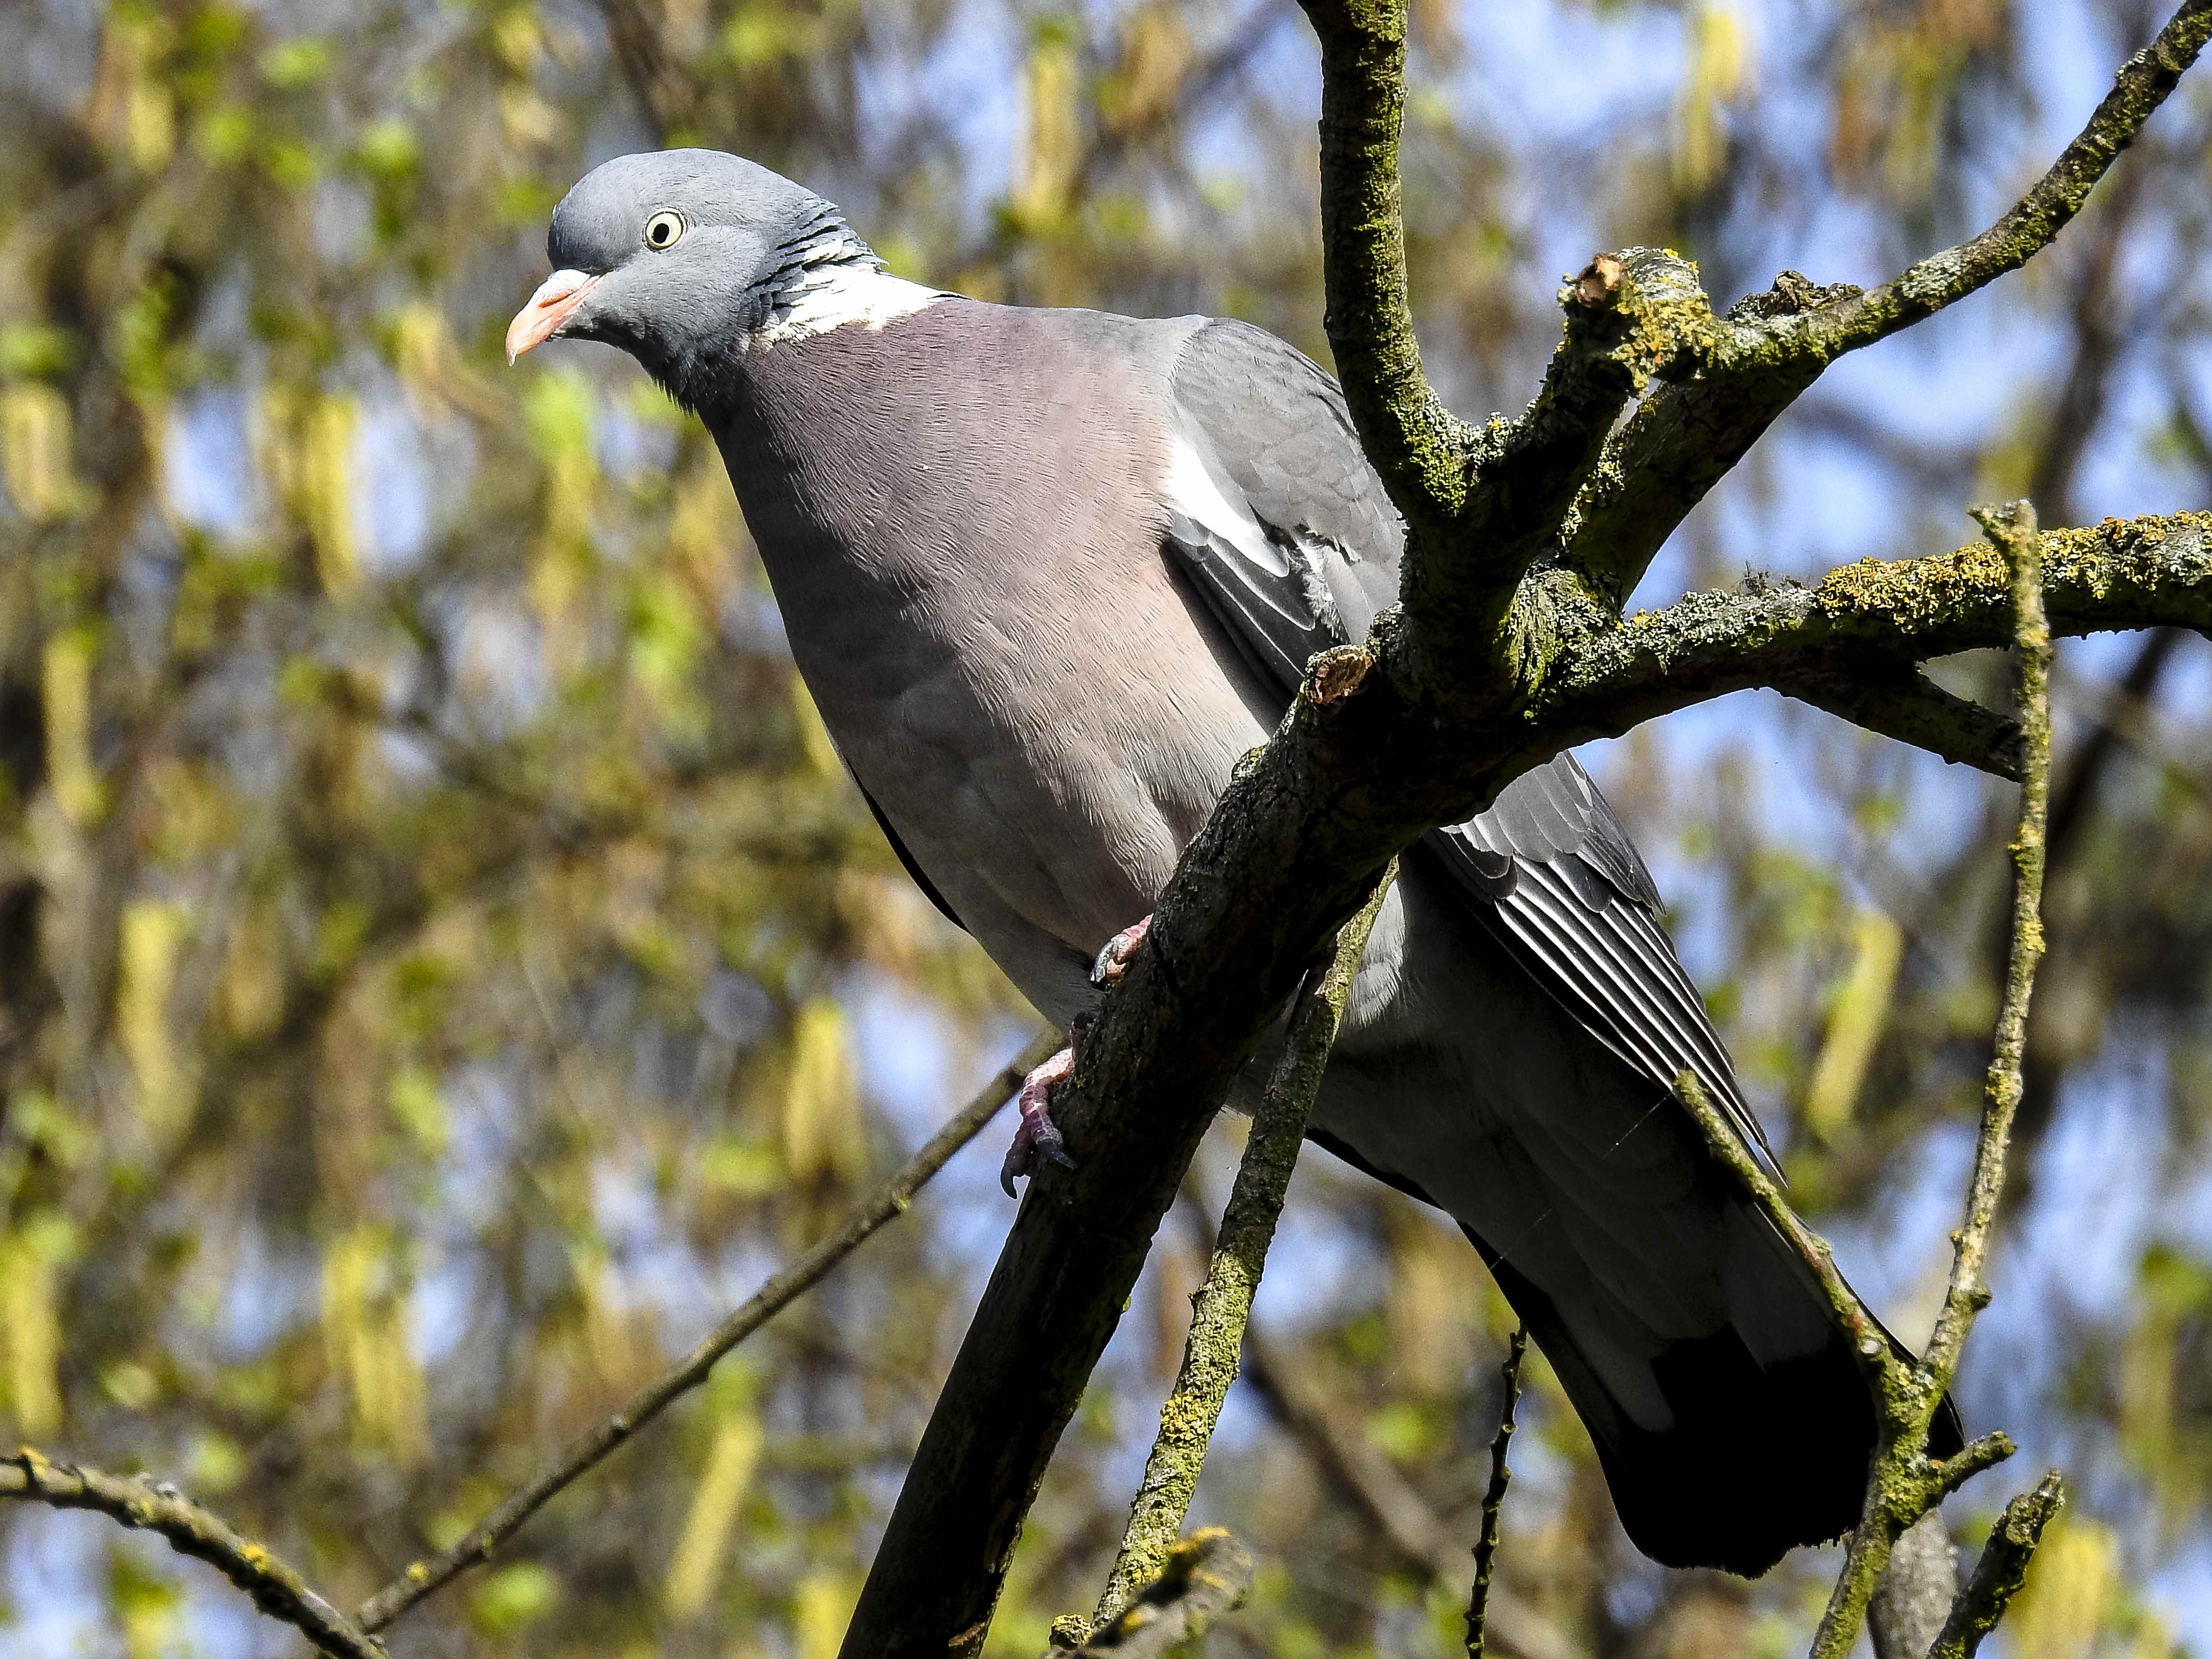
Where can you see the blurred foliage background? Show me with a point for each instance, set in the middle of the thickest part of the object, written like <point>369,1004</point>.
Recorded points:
<point>442,963</point>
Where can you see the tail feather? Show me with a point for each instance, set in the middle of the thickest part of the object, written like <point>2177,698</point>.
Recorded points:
<point>1726,1448</point>
<point>1759,1459</point>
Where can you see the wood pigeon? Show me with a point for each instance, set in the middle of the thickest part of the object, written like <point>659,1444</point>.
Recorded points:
<point>1049,574</point>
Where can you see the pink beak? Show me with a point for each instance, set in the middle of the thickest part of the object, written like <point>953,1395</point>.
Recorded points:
<point>555,302</point>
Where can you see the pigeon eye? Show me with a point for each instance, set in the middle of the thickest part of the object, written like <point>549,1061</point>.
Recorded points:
<point>663,228</point>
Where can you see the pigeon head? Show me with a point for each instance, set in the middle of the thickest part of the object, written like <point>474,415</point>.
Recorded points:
<point>685,257</point>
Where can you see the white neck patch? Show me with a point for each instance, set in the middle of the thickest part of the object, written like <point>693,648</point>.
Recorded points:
<point>832,295</point>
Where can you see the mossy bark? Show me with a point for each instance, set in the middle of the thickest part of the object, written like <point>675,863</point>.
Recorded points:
<point>1223,1302</point>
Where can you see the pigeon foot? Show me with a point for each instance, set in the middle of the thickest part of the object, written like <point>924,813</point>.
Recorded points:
<point>1038,1137</point>
<point>1113,960</point>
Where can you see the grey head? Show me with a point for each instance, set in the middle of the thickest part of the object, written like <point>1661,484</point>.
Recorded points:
<point>684,258</point>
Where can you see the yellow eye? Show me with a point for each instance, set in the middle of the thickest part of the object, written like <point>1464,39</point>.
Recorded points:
<point>663,228</point>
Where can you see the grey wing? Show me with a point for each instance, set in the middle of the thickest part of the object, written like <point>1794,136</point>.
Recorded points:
<point>1287,535</point>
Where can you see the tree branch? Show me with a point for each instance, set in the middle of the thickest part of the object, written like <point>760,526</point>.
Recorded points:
<point>1686,438</point>
<point>1417,447</point>
<point>1224,1302</point>
<point>1875,616</point>
<point>1203,1576</point>
<point>889,1201</point>
<point>2033,223</point>
<point>2001,1571</point>
<point>1915,1594</point>
<point>1903,1484</point>
<point>276,1589</point>
<point>1493,1497</point>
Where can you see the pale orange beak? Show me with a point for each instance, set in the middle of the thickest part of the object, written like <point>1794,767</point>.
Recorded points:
<point>555,302</point>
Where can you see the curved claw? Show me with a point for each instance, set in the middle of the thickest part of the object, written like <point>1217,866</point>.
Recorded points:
<point>1037,1135</point>
<point>1113,960</point>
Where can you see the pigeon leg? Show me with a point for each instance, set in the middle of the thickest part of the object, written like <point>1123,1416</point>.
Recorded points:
<point>1114,961</point>
<point>1037,1136</point>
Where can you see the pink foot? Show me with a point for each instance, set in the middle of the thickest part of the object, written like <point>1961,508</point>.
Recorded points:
<point>1114,961</point>
<point>1038,1137</point>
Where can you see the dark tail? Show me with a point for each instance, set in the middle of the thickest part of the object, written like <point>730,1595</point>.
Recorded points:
<point>1759,1459</point>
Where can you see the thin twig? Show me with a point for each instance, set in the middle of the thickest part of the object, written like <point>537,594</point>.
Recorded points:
<point>1493,1500</point>
<point>1223,1301</point>
<point>2001,1571</point>
<point>1903,1484</point>
<point>887,1202</point>
<point>2013,528</point>
<point>1398,1516</point>
<point>276,1589</point>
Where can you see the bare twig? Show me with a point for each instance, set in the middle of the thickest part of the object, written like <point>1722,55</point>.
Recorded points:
<point>888,1201</point>
<point>276,1589</point>
<point>1223,1301</point>
<point>1400,1517</point>
<point>1201,1577</point>
<point>1493,1499</point>
<point>2001,1571</point>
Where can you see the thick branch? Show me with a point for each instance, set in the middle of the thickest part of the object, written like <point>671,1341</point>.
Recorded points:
<point>1415,444</point>
<point>276,1587</point>
<point>889,1201</point>
<point>1915,1592</point>
<point>1224,1302</point>
<point>1878,618</point>
<point>1632,318</point>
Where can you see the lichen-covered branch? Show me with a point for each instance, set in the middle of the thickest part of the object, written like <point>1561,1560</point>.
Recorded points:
<point>2002,1569</point>
<point>2013,528</point>
<point>1904,1483</point>
<point>1417,448</point>
<point>1203,1576</point>
<point>1223,1301</point>
<point>1493,1497</point>
<point>276,1587</point>
<point>1686,438</point>
<point>888,1201</point>
<point>2033,222</point>
<point>1864,625</point>
<point>1631,317</point>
